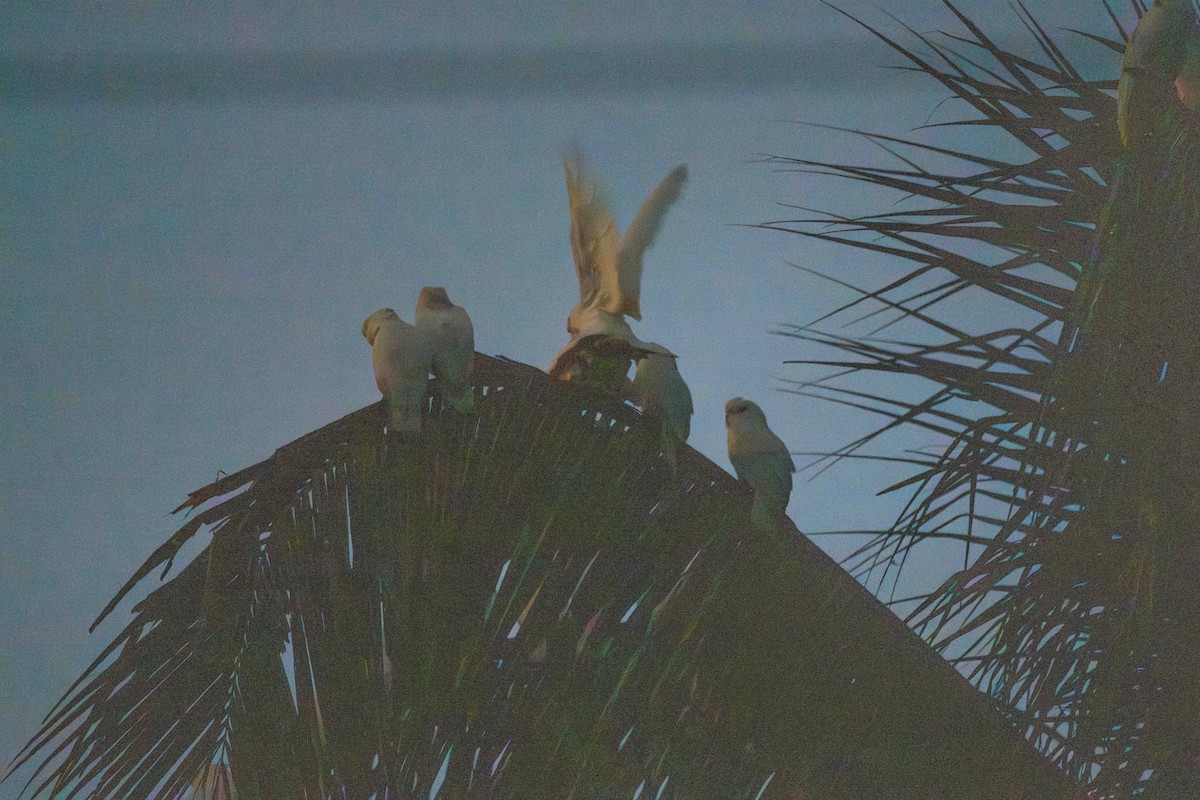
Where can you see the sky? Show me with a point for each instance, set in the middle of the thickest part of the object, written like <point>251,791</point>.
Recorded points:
<point>200,207</point>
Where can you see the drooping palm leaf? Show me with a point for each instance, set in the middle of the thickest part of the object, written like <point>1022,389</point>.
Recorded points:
<point>561,613</point>
<point>1069,473</point>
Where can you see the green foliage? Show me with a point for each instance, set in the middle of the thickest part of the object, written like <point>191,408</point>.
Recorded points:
<point>525,603</point>
<point>1069,475</point>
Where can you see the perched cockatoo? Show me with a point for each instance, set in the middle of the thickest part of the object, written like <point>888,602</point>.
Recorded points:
<point>454,345</point>
<point>1153,60</point>
<point>607,265</point>
<point>661,392</point>
<point>1187,85</point>
<point>761,459</point>
<point>402,355</point>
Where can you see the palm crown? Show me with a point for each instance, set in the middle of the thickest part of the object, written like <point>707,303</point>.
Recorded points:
<point>1068,476</point>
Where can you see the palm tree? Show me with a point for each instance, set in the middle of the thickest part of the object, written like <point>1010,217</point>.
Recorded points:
<point>1068,476</point>
<point>531,602</point>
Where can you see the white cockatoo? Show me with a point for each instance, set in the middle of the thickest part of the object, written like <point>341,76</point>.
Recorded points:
<point>454,345</point>
<point>402,355</point>
<point>1153,61</point>
<point>761,459</point>
<point>660,391</point>
<point>607,265</point>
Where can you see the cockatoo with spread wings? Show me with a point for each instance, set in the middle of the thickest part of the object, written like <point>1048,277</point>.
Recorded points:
<point>402,355</point>
<point>1154,59</point>
<point>449,326</point>
<point>761,459</point>
<point>608,265</point>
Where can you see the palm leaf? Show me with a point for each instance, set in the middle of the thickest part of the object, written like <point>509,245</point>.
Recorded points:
<point>527,603</point>
<point>1068,476</point>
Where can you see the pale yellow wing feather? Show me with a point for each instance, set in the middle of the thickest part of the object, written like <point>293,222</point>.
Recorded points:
<point>594,236</point>
<point>623,297</point>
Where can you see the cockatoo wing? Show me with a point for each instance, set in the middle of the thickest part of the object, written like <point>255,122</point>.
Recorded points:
<point>621,292</point>
<point>602,359</point>
<point>388,352</point>
<point>457,341</point>
<point>454,340</point>
<point>594,235</point>
<point>454,358</point>
<point>769,473</point>
<point>782,450</point>
<point>591,321</point>
<point>660,390</point>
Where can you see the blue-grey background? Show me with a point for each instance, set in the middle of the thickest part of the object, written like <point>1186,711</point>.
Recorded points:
<point>199,206</point>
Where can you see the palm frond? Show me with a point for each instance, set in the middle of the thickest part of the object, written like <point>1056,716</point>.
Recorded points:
<point>1067,477</point>
<point>526,603</point>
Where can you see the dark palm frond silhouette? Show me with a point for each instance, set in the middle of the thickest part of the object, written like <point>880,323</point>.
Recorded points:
<point>525,603</point>
<point>1051,302</point>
